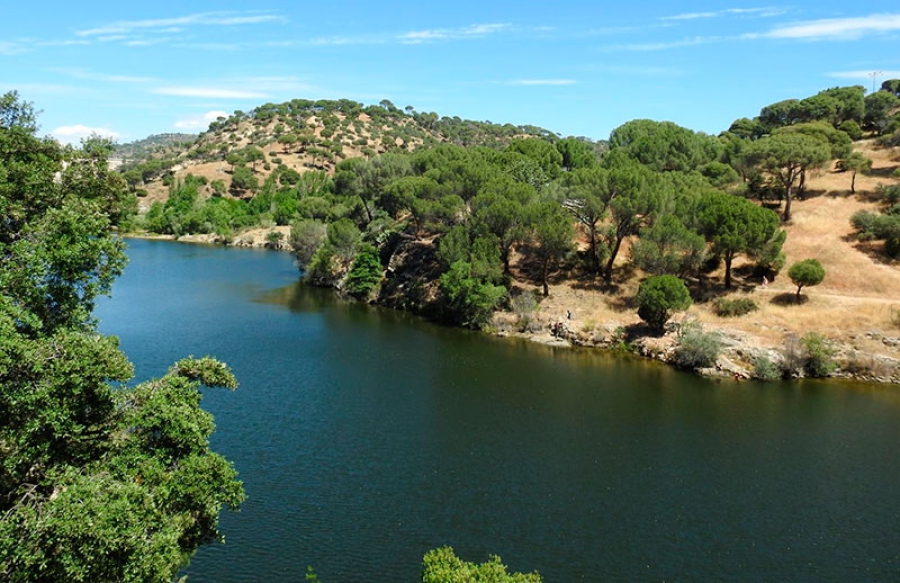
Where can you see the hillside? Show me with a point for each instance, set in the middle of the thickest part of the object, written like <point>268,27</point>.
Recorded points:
<point>535,233</point>
<point>302,135</point>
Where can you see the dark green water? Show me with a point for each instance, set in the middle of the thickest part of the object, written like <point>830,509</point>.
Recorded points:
<point>366,437</point>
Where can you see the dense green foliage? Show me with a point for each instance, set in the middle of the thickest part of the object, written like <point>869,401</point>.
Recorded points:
<point>884,226</point>
<point>806,273</point>
<point>734,307</point>
<point>443,566</point>
<point>658,297</point>
<point>98,481</point>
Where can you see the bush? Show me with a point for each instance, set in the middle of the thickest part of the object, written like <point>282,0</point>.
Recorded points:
<point>736,307</point>
<point>819,355</point>
<point>658,297</point>
<point>696,348</point>
<point>852,129</point>
<point>365,274</point>
<point>523,305</point>
<point>766,370</point>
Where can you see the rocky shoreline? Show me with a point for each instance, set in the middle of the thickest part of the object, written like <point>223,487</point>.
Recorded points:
<point>402,291</point>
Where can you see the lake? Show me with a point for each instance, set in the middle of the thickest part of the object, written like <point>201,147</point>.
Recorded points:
<point>365,437</point>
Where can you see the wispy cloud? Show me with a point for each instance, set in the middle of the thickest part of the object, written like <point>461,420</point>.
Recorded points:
<point>8,49</point>
<point>836,28</point>
<point>167,25</point>
<point>199,122</point>
<point>541,82</point>
<point>75,133</point>
<point>94,76</point>
<point>434,34</point>
<point>864,74</point>
<point>765,12</point>
<point>664,46</point>
<point>210,93</point>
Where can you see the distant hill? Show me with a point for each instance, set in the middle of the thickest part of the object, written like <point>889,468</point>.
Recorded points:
<point>306,135</point>
<point>155,145</point>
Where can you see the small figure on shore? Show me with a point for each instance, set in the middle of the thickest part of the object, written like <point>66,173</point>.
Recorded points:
<point>569,315</point>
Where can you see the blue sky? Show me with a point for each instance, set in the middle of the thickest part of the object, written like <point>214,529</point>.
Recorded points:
<point>130,69</point>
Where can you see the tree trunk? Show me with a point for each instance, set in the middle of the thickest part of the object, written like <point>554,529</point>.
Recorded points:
<point>799,287</point>
<point>612,258</point>
<point>802,186</point>
<point>544,271</point>
<point>788,196</point>
<point>592,249</point>
<point>853,183</point>
<point>728,271</point>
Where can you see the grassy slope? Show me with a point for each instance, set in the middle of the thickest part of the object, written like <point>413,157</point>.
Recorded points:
<point>860,294</point>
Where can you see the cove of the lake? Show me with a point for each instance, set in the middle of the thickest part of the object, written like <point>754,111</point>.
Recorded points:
<point>365,437</point>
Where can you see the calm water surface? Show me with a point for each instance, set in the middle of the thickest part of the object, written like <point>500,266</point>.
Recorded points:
<point>366,437</point>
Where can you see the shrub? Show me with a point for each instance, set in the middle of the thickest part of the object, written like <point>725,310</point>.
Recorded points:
<point>365,274</point>
<point>523,305</point>
<point>658,297</point>
<point>696,348</point>
<point>735,307</point>
<point>852,129</point>
<point>819,355</point>
<point>766,370</point>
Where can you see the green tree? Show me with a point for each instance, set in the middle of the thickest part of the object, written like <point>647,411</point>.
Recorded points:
<point>855,163</point>
<point>244,179</point>
<point>553,237</point>
<point>634,199</point>
<point>443,566</point>
<point>541,151</point>
<point>576,153</point>
<point>735,225</point>
<point>668,247</point>
<point>806,273</point>
<point>665,146</point>
<point>879,106</point>
<point>586,195</point>
<point>97,483</point>
<point>307,235</point>
<point>658,297</point>
<point>365,274</point>
<point>786,156</point>
<point>470,300</point>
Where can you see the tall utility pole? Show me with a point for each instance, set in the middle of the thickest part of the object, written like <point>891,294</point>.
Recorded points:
<point>875,75</point>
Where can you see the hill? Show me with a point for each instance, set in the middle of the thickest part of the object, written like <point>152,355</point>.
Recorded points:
<point>302,135</point>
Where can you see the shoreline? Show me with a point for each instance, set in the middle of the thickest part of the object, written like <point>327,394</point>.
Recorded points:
<point>735,360</point>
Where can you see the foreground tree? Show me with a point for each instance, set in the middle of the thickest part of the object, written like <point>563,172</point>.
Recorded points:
<point>806,273</point>
<point>97,483</point>
<point>443,566</point>
<point>658,297</point>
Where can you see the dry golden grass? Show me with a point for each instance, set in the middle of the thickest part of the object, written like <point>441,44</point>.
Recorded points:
<point>859,294</point>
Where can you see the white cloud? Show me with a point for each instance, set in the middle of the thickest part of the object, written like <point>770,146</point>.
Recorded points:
<point>540,82</point>
<point>765,12</point>
<point>473,31</point>
<point>836,28</point>
<point>169,24</point>
<point>210,93</point>
<point>8,49</point>
<point>93,76</point>
<point>664,46</point>
<point>75,133</point>
<point>199,122</point>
